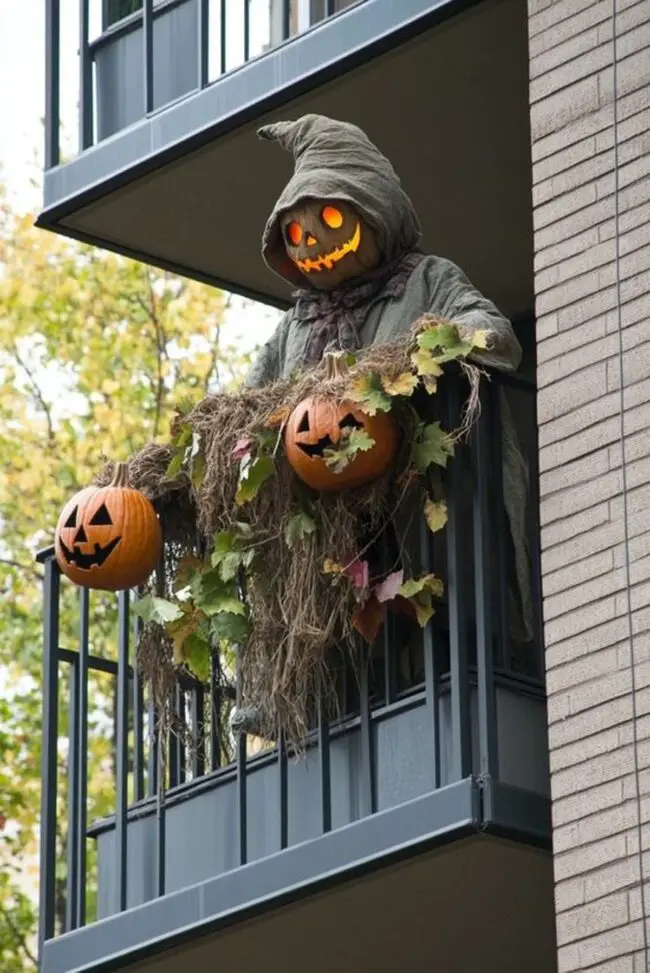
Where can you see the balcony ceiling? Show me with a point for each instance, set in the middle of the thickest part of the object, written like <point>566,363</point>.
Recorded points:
<point>479,904</point>
<point>449,108</point>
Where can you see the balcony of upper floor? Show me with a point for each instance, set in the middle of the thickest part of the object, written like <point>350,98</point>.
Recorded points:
<point>414,829</point>
<point>152,111</point>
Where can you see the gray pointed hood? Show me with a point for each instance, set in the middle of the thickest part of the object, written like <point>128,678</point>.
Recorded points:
<point>337,160</point>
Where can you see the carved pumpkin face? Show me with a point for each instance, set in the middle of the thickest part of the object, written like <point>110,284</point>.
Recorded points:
<point>317,424</point>
<point>109,537</point>
<point>329,242</point>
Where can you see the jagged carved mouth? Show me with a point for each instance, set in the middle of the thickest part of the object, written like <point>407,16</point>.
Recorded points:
<point>326,261</point>
<point>93,560</point>
<point>318,448</point>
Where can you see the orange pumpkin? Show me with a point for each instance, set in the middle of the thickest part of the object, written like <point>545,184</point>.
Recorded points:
<point>317,424</point>
<point>109,537</point>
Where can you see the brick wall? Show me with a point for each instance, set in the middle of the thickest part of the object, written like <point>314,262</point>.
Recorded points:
<point>595,514</point>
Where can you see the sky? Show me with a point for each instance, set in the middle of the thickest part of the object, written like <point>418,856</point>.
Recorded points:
<point>22,100</point>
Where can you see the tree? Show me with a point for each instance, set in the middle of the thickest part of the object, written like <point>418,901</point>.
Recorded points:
<point>95,353</point>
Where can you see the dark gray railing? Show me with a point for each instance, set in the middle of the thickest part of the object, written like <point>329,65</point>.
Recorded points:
<point>463,655</point>
<point>144,19</point>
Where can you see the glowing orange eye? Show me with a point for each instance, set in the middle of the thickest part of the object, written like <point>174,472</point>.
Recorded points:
<point>332,217</point>
<point>294,233</point>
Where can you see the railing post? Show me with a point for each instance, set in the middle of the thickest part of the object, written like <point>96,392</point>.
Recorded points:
<point>81,797</point>
<point>121,745</point>
<point>147,59</point>
<point>483,586</point>
<point>52,81</point>
<point>85,80</point>
<point>203,34</point>
<point>461,731</point>
<point>50,711</point>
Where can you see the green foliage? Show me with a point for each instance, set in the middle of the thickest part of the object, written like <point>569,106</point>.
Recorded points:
<point>351,442</point>
<point>431,444</point>
<point>97,353</point>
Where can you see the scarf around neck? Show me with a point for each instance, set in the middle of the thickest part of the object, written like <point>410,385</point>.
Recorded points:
<point>336,318</point>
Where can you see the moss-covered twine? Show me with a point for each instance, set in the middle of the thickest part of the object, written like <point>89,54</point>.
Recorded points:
<point>299,617</point>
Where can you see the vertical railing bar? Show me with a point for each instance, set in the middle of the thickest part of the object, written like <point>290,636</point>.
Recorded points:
<point>52,81</point>
<point>147,37</point>
<point>161,823</point>
<point>81,796</point>
<point>487,729</point>
<point>367,749</point>
<point>286,19</point>
<point>49,753</point>
<point>215,712</point>
<point>330,8</point>
<point>242,808</point>
<point>387,635</point>
<point>105,23</point>
<point>247,30</point>
<point>85,79</point>
<point>431,674</point>
<point>122,743</point>
<point>198,731</point>
<point>458,654</point>
<point>73,807</point>
<point>223,37</point>
<point>325,767</point>
<point>154,745</point>
<point>500,529</point>
<point>283,774</point>
<point>138,719</point>
<point>204,42</point>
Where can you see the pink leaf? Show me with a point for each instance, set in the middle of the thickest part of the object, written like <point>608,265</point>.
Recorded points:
<point>242,447</point>
<point>389,587</point>
<point>357,572</point>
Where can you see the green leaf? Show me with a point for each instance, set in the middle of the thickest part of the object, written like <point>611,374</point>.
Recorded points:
<point>197,656</point>
<point>352,441</point>
<point>300,525</point>
<point>198,470</point>
<point>255,474</point>
<point>368,392</point>
<point>153,609</point>
<point>222,602</point>
<point>420,592</point>
<point>435,514</point>
<point>431,445</point>
<point>182,437</point>
<point>233,628</point>
<point>175,464</point>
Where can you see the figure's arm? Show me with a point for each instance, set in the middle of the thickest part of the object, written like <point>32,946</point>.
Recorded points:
<point>455,298</point>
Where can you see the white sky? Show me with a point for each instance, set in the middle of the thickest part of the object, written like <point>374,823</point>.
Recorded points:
<point>22,100</point>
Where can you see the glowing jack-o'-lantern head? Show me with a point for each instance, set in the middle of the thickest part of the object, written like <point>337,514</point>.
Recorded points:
<point>108,537</point>
<point>328,242</point>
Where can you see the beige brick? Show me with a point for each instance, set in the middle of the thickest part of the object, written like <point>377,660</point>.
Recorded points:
<point>579,419</point>
<point>565,106</point>
<point>611,944</point>
<point>573,807</point>
<point>573,754</point>
<point>586,520</point>
<point>593,918</point>
<point>571,575</point>
<point>572,500</point>
<point>569,893</point>
<point>570,393</point>
<point>595,437</point>
<point>559,346</point>
<point>605,767</point>
<point>579,621</point>
<point>558,221</point>
<point>588,260</point>
<point>583,860</point>
<point>616,712</point>
<point>610,632</point>
<point>564,17</point>
<point>566,247</point>
<point>597,827</point>
<point>569,554</point>
<point>555,80</point>
<point>616,875</point>
<point>580,470</point>
<point>582,595</point>
<point>580,670</point>
<point>569,47</point>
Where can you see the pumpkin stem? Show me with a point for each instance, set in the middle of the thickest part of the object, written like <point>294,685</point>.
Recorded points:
<point>120,475</point>
<point>336,365</point>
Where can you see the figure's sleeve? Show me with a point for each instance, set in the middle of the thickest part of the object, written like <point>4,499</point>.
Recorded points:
<point>455,298</point>
<point>267,367</point>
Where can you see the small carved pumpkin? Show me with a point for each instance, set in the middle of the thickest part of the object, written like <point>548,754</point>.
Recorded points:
<point>329,242</point>
<point>318,423</point>
<point>109,537</point>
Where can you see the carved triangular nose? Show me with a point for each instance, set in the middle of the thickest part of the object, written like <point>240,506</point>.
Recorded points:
<point>310,240</point>
<point>80,536</point>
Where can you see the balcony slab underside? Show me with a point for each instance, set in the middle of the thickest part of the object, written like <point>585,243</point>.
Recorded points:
<point>440,85</point>
<point>461,875</point>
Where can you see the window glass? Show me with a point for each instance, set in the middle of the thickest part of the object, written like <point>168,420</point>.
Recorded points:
<point>117,9</point>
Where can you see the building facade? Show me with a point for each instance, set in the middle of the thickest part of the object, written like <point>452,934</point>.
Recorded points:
<point>490,815</point>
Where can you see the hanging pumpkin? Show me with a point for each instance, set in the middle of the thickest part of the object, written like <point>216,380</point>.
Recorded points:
<point>109,537</point>
<point>329,242</point>
<point>318,424</point>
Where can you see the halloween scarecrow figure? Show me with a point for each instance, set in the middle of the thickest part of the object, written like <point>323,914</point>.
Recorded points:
<point>345,233</point>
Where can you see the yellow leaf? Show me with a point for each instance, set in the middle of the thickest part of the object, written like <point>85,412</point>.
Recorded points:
<point>480,338</point>
<point>435,514</point>
<point>404,384</point>
<point>426,364</point>
<point>332,567</point>
<point>430,384</point>
<point>278,417</point>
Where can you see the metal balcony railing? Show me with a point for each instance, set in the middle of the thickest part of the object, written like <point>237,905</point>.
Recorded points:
<point>159,50</point>
<point>465,653</point>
